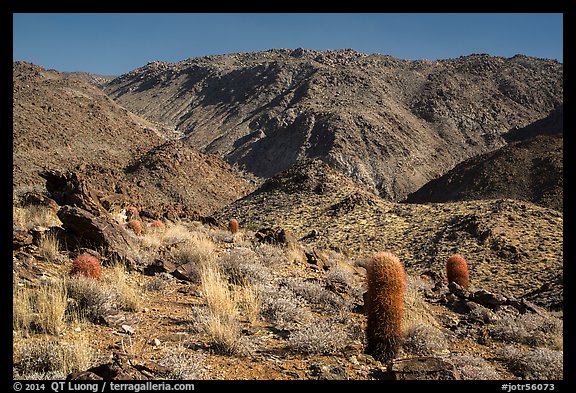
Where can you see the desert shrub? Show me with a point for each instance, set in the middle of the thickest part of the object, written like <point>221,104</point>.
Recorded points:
<point>86,265</point>
<point>530,329</point>
<point>40,310</point>
<point>89,299</point>
<point>473,368</point>
<point>135,225</point>
<point>457,270</point>
<point>422,340</point>
<point>159,282</point>
<point>242,264</point>
<point>49,358</point>
<point>94,300</point>
<point>281,306</point>
<point>314,293</point>
<point>184,364</point>
<point>338,277</point>
<point>271,255</point>
<point>323,337</point>
<point>233,226</point>
<point>385,305</point>
<point>539,363</point>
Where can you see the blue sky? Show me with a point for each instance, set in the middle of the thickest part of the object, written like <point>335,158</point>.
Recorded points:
<point>113,44</point>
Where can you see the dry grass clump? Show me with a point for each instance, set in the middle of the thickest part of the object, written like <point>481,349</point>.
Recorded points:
<point>246,297</point>
<point>323,337</point>
<point>423,340</point>
<point>93,300</point>
<point>50,358</point>
<point>198,249</point>
<point>49,248</point>
<point>176,233</point>
<point>473,368</point>
<point>530,329</point>
<point>127,296</point>
<point>219,320</point>
<point>39,310</point>
<point>539,363</point>
<point>30,216</point>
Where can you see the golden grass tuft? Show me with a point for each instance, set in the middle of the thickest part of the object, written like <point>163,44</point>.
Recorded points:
<point>117,278</point>
<point>49,248</point>
<point>220,320</point>
<point>39,310</point>
<point>30,216</point>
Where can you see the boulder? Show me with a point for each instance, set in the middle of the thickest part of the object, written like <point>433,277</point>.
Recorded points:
<point>39,199</point>
<point>421,368</point>
<point>488,299</point>
<point>122,367</point>
<point>101,231</point>
<point>20,238</point>
<point>275,236</point>
<point>317,259</point>
<point>71,189</point>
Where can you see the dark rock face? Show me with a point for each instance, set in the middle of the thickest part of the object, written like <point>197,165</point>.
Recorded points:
<point>122,367</point>
<point>530,170</point>
<point>97,232</point>
<point>422,368</point>
<point>390,124</point>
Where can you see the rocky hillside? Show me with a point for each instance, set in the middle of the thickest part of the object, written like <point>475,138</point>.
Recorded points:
<point>61,121</point>
<point>174,171</point>
<point>390,124</point>
<point>64,122</point>
<point>529,168</point>
<point>513,247</point>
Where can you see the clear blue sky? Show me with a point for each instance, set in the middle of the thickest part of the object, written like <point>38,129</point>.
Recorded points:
<point>113,44</point>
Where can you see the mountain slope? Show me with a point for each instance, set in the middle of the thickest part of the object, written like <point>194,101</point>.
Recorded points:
<point>512,247</point>
<point>64,122</point>
<point>529,168</point>
<point>390,124</point>
<point>61,121</point>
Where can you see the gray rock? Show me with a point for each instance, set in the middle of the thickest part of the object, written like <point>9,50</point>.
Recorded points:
<point>421,368</point>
